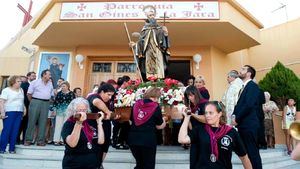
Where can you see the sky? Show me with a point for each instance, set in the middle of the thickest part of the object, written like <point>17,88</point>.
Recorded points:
<point>265,11</point>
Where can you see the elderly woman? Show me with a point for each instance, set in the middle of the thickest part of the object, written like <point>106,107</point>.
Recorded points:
<point>214,140</point>
<point>269,108</point>
<point>81,139</point>
<point>11,109</point>
<point>62,100</point>
<point>199,83</point>
<point>146,117</point>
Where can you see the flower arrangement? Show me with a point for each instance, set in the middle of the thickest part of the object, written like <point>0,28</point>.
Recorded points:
<point>171,93</point>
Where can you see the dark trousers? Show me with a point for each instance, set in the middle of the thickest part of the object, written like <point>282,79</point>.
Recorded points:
<point>144,157</point>
<point>159,137</point>
<point>10,130</point>
<point>120,132</point>
<point>261,136</point>
<point>116,129</point>
<point>175,131</point>
<point>107,133</point>
<point>123,137</point>
<point>250,140</point>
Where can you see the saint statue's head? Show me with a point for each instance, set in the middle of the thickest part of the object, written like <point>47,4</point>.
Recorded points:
<point>149,11</point>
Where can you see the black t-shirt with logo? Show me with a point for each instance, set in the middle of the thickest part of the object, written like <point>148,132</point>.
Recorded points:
<point>231,142</point>
<point>80,155</point>
<point>145,134</point>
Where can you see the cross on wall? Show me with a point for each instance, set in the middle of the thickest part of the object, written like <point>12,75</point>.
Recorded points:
<point>198,6</point>
<point>81,7</point>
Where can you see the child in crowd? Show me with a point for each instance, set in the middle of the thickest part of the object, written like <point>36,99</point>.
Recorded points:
<point>288,117</point>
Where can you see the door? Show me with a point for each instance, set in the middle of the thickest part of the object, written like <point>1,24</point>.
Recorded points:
<point>179,69</point>
<point>105,70</point>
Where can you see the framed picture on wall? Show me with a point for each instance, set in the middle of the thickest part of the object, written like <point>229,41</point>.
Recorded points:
<point>58,63</point>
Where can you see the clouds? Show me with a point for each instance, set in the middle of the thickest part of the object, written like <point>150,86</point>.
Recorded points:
<point>269,12</point>
<point>11,17</point>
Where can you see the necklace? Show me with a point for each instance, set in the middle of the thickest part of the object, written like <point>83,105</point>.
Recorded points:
<point>213,158</point>
<point>89,145</point>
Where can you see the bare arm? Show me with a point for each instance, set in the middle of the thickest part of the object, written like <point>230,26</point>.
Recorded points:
<point>296,153</point>
<point>163,125</point>
<point>2,112</point>
<point>101,136</point>
<point>183,137</point>
<point>29,96</point>
<point>101,106</point>
<point>283,115</point>
<point>246,162</point>
<point>73,138</point>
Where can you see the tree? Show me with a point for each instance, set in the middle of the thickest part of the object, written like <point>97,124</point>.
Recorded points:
<point>282,83</point>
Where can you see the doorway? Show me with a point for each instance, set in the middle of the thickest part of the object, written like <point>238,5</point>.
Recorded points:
<point>179,69</point>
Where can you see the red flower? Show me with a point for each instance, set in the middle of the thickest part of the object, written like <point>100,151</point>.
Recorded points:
<point>174,82</point>
<point>129,82</point>
<point>175,103</point>
<point>152,78</point>
<point>138,82</point>
<point>167,81</point>
<point>129,91</point>
<point>165,101</point>
<point>165,89</point>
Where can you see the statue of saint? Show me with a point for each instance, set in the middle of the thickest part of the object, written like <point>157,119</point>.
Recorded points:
<point>152,48</point>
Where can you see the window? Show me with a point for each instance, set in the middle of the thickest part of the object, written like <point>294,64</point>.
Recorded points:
<point>126,68</point>
<point>102,67</point>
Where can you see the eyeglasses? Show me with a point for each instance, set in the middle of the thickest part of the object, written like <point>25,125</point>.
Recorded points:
<point>19,81</point>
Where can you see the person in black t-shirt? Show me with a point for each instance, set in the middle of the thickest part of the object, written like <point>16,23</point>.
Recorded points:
<point>146,117</point>
<point>101,101</point>
<point>214,140</point>
<point>195,103</point>
<point>81,139</point>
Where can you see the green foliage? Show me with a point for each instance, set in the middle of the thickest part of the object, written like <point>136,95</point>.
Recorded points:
<point>282,83</point>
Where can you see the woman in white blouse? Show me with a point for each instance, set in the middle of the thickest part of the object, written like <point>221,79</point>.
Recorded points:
<point>11,110</point>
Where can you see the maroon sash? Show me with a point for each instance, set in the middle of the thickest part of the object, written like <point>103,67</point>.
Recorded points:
<point>214,136</point>
<point>142,112</point>
<point>87,129</point>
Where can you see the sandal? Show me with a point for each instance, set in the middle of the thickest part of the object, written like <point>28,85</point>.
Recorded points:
<point>56,143</point>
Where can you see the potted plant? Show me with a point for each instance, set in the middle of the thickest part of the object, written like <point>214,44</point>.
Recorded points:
<point>281,83</point>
